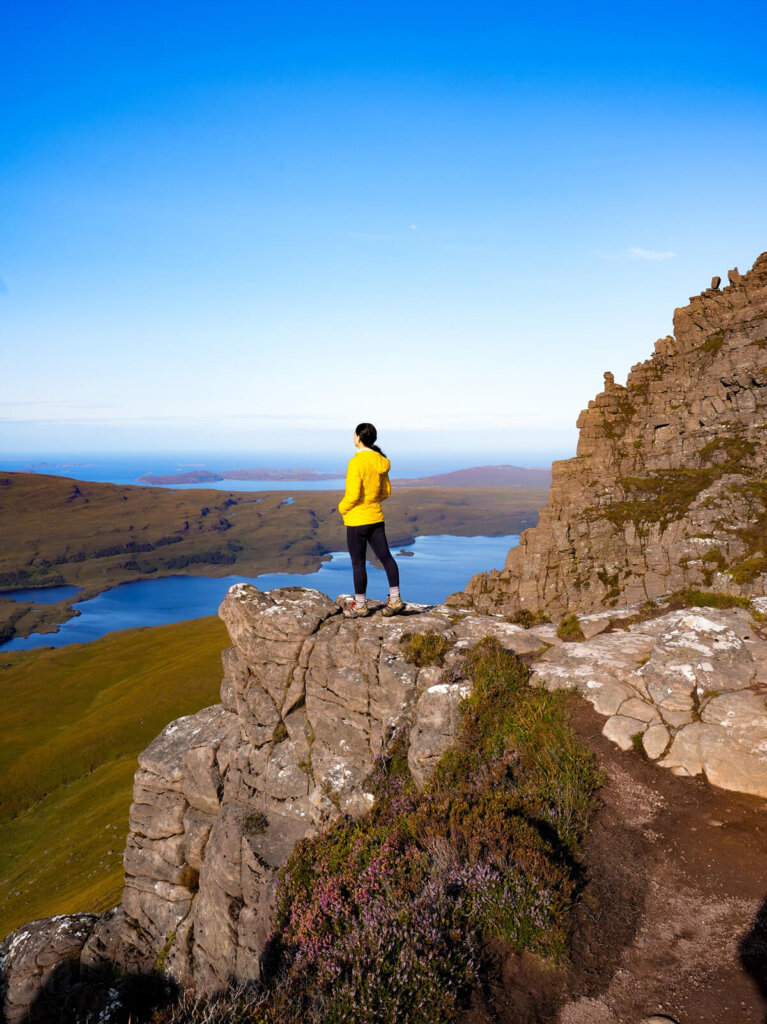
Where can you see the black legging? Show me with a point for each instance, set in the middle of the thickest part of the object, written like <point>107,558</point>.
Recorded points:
<point>357,540</point>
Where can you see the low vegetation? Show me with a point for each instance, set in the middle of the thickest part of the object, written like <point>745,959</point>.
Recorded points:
<point>425,648</point>
<point>692,598</point>
<point>570,628</point>
<point>386,918</point>
<point>71,736</point>
<point>665,496</point>
<point>527,618</point>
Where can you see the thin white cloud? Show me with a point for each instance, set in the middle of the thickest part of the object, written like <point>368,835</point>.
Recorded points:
<point>649,254</point>
<point>634,252</point>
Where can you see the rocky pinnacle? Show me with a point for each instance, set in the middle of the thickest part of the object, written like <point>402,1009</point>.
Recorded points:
<point>667,489</point>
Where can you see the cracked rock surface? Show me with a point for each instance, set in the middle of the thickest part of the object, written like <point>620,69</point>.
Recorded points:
<point>689,686</point>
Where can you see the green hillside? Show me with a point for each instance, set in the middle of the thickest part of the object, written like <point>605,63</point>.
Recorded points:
<point>74,720</point>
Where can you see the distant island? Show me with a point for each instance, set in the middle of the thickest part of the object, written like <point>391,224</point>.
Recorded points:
<point>477,476</point>
<point>194,476</point>
<point>203,476</point>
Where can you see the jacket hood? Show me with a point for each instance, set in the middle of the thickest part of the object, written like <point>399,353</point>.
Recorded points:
<point>379,462</point>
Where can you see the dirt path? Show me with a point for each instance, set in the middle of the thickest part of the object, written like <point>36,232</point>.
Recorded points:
<point>672,924</point>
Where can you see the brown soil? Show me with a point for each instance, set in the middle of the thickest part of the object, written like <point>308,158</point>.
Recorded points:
<point>672,920</point>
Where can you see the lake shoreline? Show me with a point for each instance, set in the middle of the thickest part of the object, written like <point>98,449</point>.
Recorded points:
<point>58,531</point>
<point>436,566</point>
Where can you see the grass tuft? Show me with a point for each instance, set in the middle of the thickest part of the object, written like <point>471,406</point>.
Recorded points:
<point>527,618</point>
<point>570,629</point>
<point>425,648</point>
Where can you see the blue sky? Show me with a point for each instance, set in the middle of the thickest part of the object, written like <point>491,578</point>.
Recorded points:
<point>246,227</point>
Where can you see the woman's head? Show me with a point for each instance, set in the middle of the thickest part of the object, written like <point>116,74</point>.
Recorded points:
<point>367,434</point>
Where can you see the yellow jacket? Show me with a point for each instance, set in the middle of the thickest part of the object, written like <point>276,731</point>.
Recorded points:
<point>367,485</point>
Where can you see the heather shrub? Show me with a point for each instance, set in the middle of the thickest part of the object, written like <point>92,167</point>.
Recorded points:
<point>385,919</point>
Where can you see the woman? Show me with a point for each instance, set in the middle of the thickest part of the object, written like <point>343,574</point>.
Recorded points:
<point>367,485</point>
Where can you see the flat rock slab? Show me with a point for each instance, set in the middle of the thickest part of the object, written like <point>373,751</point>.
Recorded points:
<point>688,686</point>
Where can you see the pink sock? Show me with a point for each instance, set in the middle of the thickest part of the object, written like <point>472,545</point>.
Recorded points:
<point>360,599</point>
<point>394,592</point>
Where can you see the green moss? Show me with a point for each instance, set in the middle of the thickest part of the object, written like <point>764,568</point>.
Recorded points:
<point>570,629</point>
<point>615,427</point>
<point>735,450</point>
<point>163,954</point>
<point>715,556</point>
<point>665,496</point>
<point>712,344</point>
<point>280,734</point>
<point>425,648</point>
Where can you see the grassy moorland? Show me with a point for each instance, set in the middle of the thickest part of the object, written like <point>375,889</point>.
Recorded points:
<point>96,535</point>
<point>74,721</point>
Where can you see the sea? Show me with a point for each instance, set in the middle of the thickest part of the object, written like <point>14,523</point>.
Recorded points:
<point>129,469</point>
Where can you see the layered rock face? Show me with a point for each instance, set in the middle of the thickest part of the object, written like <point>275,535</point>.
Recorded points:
<point>667,488</point>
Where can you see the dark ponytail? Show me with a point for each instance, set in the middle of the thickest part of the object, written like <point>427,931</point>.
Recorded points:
<point>367,433</point>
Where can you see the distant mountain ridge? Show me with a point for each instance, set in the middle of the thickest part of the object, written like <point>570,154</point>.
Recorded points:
<point>482,476</point>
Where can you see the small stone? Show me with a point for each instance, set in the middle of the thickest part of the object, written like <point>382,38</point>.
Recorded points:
<point>622,730</point>
<point>655,741</point>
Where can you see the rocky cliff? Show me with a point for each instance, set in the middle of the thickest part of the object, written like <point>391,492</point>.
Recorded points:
<point>309,700</point>
<point>667,488</point>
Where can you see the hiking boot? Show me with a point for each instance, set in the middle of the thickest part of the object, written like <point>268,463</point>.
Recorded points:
<point>357,611</point>
<point>393,606</point>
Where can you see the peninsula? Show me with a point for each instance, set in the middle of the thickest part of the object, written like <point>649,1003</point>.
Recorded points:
<point>204,476</point>
<point>60,531</point>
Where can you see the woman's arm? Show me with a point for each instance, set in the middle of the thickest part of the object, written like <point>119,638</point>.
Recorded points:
<point>385,491</point>
<point>353,491</point>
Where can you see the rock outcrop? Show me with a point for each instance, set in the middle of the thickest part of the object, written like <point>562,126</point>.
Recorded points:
<point>309,701</point>
<point>667,488</point>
